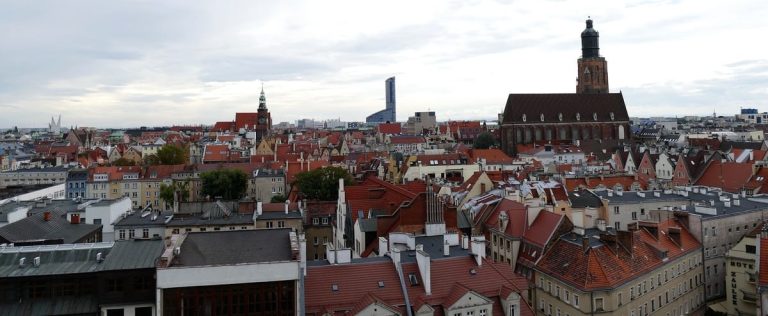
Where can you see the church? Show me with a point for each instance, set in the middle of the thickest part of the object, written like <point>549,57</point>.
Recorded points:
<point>592,113</point>
<point>258,123</point>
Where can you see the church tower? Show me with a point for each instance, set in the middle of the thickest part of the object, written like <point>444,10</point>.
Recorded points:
<point>593,69</point>
<point>264,123</point>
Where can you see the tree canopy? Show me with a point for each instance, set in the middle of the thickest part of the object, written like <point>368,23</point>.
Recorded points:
<point>167,192</point>
<point>168,155</point>
<point>321,184</point>
<point>484,140</point>
<point>229,184</point>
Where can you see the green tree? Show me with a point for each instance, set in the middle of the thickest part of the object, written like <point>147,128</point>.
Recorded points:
<point>278,199</point>
<point>123,162</point>
<point>171,155</point>
<point>178,187</point>
<point>229,184</point>
<point>322,184</point>
<point>484,141</point>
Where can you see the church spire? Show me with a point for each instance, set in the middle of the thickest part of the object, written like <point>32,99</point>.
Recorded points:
<point>262,99</point>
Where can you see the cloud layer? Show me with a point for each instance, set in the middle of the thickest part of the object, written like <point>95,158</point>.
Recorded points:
<point>134,63</point>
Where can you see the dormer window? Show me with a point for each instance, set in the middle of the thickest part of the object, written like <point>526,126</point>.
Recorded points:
<point>524,118</point>
<point>611,116</point>
<point>560,116</point>
<point>578,116</point>
<point>542,117</point>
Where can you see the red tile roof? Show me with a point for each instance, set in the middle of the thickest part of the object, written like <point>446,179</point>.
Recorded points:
<point>608,265</point>
<point>492,156</point>
<point>390,128</point>
<point>223,127</point>
<point>729,176</point>
<point>358,280</point>
<point>763,268</point>
<point>542,228</point>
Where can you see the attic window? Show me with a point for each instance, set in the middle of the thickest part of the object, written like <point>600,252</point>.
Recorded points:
<point>472,271</point>
<point>381,284</point>
<point>578,116</point>
<point>594,116</point>
<point>335,287</point>
<point>560,116</point>
<point>611,116</point>
<point>413,279</point>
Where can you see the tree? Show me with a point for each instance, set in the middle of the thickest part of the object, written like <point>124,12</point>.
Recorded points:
<point>123,162</point>
<point>170,155</point>
<point>229,184</point>
<point>484,141</point>
<point>321,184</point>
<point>278,199</point>
<point>167,192</point>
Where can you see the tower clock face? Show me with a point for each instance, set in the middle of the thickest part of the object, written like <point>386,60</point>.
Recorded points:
<point>262,120</point>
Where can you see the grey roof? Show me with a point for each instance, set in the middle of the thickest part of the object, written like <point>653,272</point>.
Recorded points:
<point>268,173</point>
<point>145,219</point>
<point>35,227</point>
<point>631,197</point>
<point>33,170</point>
<point>367,224</point>
<point>180,220</point>
<point>77,175</point>
<point>108,202</point>
<point>79,258</point>
<point>64,305</point>
<point>235,247</point>
<point>583,198</point>
<point>696,203</point>
<point>280,215</point>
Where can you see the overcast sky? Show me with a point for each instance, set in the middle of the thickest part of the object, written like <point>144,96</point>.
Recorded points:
<point>133,63</point>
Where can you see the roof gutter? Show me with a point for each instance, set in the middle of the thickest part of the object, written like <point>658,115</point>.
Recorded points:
<point>399,269</point>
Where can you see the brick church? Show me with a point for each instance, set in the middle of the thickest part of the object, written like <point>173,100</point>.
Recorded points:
<point>259,123</point>
<point>592,113</point>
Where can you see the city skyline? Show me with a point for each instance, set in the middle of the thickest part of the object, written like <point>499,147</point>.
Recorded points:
<point>178,63</point>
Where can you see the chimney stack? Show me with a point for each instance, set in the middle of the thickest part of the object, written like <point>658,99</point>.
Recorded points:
<point>423,261</point>
<point>47,216</point>
<point>259,208</point>
<point>287,202</point>
<point>446,249</point>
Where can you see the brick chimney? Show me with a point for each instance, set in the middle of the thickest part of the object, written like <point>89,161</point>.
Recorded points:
<point>47,216</point>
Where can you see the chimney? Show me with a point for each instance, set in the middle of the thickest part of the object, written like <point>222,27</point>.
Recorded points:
<point>287,202</point>
<point>259,208</point>
<point>383,246</point>
<point>395,255</point>
<point>478,249</point>
<point>610,192</point>
<point>584,243</point>
<point>446,249</point>
<point>601,225</point>
<point>423,260</point>
<point>736,202</point>
<point>47,216</point>
<point>36,262</point>
<point>464,242</point>
<point>303,253</point>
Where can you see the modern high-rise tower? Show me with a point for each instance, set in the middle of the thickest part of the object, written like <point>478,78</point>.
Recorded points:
<point>593,69</point>
<point>389,113</point>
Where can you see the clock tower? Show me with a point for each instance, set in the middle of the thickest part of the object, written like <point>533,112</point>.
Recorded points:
<point>264,123</point>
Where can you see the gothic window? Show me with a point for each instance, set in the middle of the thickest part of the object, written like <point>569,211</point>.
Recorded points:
<point>611,116</point>
<point>560,116</point>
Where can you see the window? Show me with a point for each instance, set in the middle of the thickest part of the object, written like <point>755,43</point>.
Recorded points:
<point>315,221</point>
<point>751,249</point>
<point>202,229</point>
<point>131,234</point>
<point>634,215</point>
<point>325,220</point>
<point>97,221</point>
<point>280,224</point>
<point>145,233</point>
<point>483,312</point>
<point>122,234</point>
<point>615,210</point>
<point>575,300</point>
<point>270,224</point>
<point>599,304</point>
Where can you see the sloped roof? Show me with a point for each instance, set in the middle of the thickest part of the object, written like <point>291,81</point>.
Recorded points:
<point>567,104</point>
<point>603,266</point>
<point>729,176</point>
<point>35,227</point>
<point>542,228</point>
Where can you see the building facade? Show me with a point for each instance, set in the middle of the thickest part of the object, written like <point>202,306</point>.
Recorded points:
<point>389,113</point>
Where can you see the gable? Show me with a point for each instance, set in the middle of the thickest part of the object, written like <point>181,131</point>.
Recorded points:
<point>470,299</point>
<point>377,309</point>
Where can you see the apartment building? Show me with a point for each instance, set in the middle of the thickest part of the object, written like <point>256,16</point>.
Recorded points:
<point>655,268</point>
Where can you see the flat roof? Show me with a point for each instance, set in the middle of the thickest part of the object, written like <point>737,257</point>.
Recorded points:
<point>234,247</point>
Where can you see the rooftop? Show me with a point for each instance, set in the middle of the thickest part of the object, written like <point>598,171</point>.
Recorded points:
<point>235,247</point>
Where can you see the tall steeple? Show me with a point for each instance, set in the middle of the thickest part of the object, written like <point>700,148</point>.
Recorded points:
<point>592,68</point>
<point>262,99</point>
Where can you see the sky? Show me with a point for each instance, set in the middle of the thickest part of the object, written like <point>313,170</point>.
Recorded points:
<point>160,63</point>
